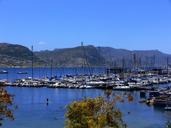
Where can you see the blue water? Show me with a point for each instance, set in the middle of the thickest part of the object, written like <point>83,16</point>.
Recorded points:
<point>46,72</point>
<point>33,112</point>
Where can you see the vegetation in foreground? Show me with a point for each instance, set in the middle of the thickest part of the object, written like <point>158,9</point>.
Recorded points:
<point>5,103</point>
<point>168,125</point>
<point>99,112</point>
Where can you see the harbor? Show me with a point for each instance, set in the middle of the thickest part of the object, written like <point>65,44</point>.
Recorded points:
<point>151,85</point>
<point>103,81</point>
<point>144,80</point>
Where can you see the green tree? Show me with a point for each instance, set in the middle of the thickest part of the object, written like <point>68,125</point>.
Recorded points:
<point>99,112</point>
<point>168,125</point>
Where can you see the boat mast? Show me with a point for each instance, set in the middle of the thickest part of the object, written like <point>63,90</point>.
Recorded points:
<point>85,60</point>
<point>134,62</point>
<point>82,47</point>
<point>167,65</point>
<point>32,61</point>
<point>51,68</point>
<point>83,70</point>
<point>123,67</point>
<point>154,61</point>
<point>123,63</point>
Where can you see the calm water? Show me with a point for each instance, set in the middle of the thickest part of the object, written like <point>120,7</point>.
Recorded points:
<point>46,72</point>
<point>33,112</point>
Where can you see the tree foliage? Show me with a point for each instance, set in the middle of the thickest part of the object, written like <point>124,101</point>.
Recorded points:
<point>5,103</point>
<point>168,125</point>
<point>99,112</point>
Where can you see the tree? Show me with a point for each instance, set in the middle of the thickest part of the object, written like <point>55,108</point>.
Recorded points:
<point>99,112</point>
<point>5,103</point>
<point>168,125</point>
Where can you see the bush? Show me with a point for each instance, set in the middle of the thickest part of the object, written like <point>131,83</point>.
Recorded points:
<point>168,125</point>
<point>5,102</point>
<point>96,112</point>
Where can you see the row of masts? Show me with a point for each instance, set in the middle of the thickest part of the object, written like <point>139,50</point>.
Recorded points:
<point>84,62</point>
<point>136,62</point>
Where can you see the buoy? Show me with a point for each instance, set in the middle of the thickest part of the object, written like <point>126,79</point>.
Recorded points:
<point>47,101</point>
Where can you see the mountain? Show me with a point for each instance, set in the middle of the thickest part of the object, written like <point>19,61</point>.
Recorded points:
<point>137,57</point>
<point>103,56</point>
<point>16,55</point>
<point>78,56</point>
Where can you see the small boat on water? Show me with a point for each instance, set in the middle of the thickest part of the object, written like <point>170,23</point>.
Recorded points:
<point>122,87</point>
<point>22,72</point>
<point>4,83</point>
<point>3,72</point>
<point>85,87</point>
<point>167,108</point>
<point>163,100</point>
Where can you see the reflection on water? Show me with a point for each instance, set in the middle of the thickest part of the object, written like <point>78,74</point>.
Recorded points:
<point>33,111</point>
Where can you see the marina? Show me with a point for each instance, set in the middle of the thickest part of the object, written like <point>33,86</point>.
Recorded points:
<point>152,86</point>
<point>113,81</point>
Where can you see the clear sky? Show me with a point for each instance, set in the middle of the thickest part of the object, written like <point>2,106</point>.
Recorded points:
<point>49,24</point>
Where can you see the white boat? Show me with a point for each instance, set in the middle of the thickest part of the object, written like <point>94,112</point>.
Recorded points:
<point>22,72</point>
<point>3,72</point>
<point>122,87</point>
<point>89,87</point>
<point>167,108</point>
<point>85,87</point>
<point>82,87</point>
<point>94,83</point>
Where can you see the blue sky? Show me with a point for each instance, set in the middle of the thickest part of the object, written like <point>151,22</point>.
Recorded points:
<point>49,24</point>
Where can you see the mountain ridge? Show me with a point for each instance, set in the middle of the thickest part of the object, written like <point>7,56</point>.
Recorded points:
<point>18,55</point>
<point>105,56</point>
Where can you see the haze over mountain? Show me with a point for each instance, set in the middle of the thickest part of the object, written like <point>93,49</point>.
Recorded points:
<point>18,55</point>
